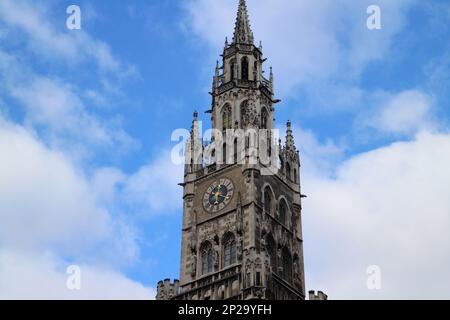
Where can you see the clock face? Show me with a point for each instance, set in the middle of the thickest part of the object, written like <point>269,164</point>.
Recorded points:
<point>218,195</point>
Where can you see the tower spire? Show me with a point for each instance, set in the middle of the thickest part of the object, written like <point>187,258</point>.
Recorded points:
<point>242,31</point>
<point>216,77</point>
<point>290,145</point>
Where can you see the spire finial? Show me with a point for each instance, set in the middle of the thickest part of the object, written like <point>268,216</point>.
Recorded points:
<point>242,31</point>
<point>271,79</point>
<point>290,145</point>
<point>216,76</point>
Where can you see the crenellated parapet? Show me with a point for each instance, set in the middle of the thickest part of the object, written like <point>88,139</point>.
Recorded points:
<point>317,297</point>
<point>166,290</point>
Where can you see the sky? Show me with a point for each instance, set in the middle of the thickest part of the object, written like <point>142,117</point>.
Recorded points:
<point>86,118</point>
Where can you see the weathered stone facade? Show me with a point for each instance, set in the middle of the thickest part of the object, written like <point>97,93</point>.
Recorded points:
<point>241,233</point>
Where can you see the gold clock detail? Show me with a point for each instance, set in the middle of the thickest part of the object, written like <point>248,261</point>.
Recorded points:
<point>218,195</point>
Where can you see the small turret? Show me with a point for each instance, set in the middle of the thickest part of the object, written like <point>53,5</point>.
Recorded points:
<point>167,290</point>
<point>320,296</point>
<point>271,79</point>
<point>216,80</point>
<point>290,144</point>
<point>290,157</point>
<point>194,148</point>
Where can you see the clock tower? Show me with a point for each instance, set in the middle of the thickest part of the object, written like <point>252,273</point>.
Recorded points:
<point>241,232</point>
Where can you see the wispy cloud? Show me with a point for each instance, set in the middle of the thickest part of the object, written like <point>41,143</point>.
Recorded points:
<point>56,42</point>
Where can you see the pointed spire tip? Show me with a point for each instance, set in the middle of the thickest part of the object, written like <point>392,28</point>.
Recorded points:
<point>242,31</point>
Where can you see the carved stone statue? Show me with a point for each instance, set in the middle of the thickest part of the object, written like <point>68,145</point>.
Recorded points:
<point>296,273</point>
<point>193,265</point>
<point>263,243</point>
<point>250,115</point>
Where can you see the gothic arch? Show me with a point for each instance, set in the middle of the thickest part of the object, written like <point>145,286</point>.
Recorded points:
<point>295,176</point>
<point>227,117</point>
<point>288,170</point>
<point>209,154</point>
<point>229,254</point>
<point>232,69</point>
<point>244,68</point>
<point>264,118</point>
<point>243,109</point>
<point>207,257</point>
<point>286,264</point>
<point>224,153</point>
<point>284,212</point>
<point>268,195</point>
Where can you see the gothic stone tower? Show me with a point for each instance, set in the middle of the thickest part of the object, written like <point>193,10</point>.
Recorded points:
<point>241,234</point>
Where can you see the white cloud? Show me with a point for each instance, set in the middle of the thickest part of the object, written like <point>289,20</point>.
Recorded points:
<point>58,201</point>
<point>31,276</point>
<point>47,41</point>
<point>387,207</point>
<point>149,191</point>
<point>403,113</point>
<point>49,210</point>
<point>58,109</point>
<point>156,185</point>
<point>317,159</point>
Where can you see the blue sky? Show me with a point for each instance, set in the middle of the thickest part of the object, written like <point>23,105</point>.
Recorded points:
<point>87,117</point>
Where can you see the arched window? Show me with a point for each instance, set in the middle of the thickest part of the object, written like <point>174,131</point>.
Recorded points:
<point>264,118</point>
<point>207,258</point>
<point>244,106</point>
<point>286,264</point>
<point>213,155</point>
<point>224,153</point>
<point>282,211</point>
<point>288,170</point>
<point>268,200</point>
<point>229,250</point>
<point>244,68</point>
<point>295,175</point>
<point>227,117</point>
<point>232,69</point>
